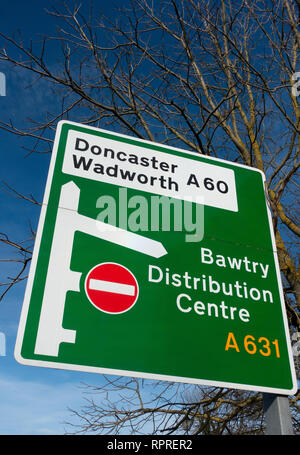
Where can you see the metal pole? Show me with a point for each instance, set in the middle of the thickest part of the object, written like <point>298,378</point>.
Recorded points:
<point>278,418</point>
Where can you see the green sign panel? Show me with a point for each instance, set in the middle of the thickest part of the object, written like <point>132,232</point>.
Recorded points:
<point>154,262</point>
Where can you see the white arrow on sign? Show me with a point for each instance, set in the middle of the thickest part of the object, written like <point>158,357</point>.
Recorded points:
<point>50,331</point>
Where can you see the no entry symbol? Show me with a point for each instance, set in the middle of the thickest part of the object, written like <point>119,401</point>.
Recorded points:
<point>111,288</point>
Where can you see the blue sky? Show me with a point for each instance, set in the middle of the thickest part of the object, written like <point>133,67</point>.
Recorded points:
<point>33,400</point>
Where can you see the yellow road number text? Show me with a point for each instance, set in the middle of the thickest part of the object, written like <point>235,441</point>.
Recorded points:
<point>261,345</point>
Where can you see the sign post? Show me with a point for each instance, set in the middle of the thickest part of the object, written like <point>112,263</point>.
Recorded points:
<point>277,415</point>
<point>155,262</point>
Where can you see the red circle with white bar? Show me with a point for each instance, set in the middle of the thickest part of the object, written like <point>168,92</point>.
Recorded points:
<point>111,288</point>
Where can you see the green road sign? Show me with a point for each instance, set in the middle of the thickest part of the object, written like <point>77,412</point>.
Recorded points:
<point>154,262</point>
